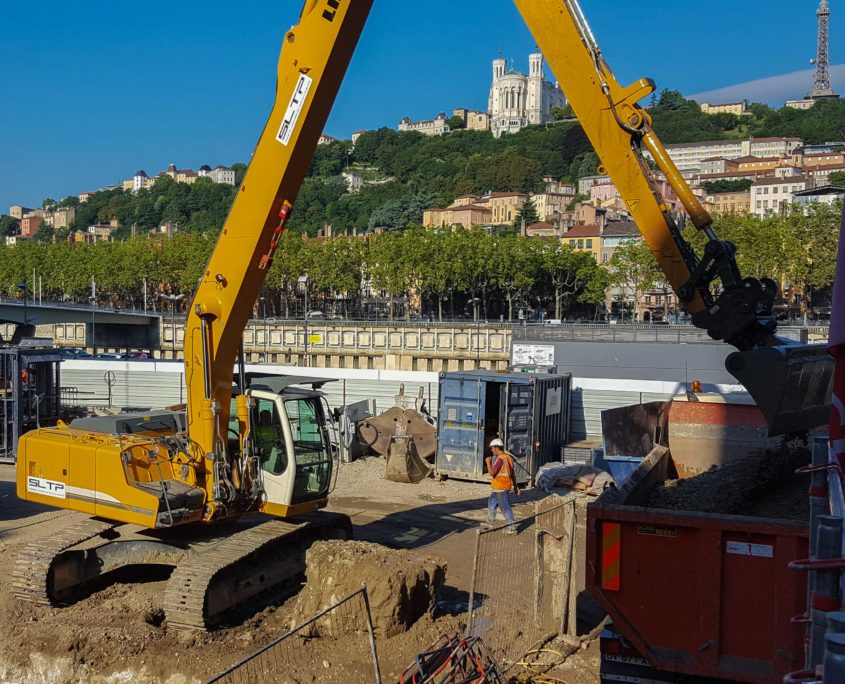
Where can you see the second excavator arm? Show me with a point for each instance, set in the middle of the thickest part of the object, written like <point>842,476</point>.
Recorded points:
<point>790,383</point>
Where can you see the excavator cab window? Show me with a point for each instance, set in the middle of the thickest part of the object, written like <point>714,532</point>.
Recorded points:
<point>311,448</point>
<point>268,437</point>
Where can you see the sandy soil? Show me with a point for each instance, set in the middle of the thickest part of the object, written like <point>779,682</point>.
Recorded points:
<point>117,633</point>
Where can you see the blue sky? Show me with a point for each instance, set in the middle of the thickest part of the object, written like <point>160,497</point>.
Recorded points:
<point>94,89</point>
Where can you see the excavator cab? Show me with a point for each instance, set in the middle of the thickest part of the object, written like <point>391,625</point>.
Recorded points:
<point>292,438</point>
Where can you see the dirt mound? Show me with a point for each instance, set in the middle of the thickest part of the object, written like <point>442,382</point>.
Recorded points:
<point>402,585</point>
<point>762,483</point>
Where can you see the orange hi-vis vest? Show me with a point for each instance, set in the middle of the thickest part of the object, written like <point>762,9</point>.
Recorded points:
<point>503,481</point>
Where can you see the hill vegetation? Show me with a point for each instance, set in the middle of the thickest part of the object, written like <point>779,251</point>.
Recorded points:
<point>404,173</point>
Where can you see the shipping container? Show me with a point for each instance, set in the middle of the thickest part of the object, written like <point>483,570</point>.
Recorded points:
<point>689,593</point>
<point>529,412</point>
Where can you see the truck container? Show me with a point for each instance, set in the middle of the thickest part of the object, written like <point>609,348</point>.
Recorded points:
<point>530,412</point>
<point>693,594</point>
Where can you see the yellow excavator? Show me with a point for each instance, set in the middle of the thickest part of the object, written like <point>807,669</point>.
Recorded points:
<point>228,492</point>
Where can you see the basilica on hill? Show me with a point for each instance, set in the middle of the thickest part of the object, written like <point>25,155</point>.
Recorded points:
<point>517,100</point>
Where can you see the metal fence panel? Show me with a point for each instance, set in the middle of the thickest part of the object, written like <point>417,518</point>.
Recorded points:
<point>336,645</point>
<point>522,591</point>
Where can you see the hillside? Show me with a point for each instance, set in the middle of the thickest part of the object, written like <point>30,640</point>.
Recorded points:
<point>408,172</point>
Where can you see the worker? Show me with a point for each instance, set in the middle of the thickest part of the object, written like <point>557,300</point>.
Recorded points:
<point>501,468</point>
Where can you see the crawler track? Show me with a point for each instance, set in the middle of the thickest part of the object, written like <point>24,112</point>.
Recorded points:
<point>32,576</point>
<point>244,569</point>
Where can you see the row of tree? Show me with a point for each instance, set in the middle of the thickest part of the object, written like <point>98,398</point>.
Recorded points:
<point>435,272</point>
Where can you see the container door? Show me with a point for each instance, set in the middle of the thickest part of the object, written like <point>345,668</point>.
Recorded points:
<point>551,420</point>
<point>460,443</point>
<point>517,403</point>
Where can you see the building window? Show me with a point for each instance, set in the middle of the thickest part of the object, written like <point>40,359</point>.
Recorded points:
<point>580,244</point>
<point>589,243</point>
<point>759,204</point>
<point>572,243</point>
<point>604,258</point>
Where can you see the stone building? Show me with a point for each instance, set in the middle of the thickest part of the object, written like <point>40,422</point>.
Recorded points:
<point>517,100</point>
<point>436,126</point>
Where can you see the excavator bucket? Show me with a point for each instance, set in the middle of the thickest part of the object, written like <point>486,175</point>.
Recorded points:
<point>404,464</point>
<point>791,384</point>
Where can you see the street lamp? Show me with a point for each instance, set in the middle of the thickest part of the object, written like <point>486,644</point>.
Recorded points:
<point>93,301</point>
<point>173,299</point>
<point>475,301</point>
<point>303,281</point>
<point>264,318</point>
<point>24,287</point>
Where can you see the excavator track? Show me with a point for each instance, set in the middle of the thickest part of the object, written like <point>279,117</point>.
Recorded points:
<point>32,576</point>
<point>244,569</point>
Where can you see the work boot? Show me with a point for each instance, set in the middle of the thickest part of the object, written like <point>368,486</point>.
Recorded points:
<point>511,529</point>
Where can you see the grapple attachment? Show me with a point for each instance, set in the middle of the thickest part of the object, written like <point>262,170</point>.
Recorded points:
<point>791,384</point>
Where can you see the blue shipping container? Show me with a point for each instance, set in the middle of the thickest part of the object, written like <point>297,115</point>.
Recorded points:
<point>530,412</point>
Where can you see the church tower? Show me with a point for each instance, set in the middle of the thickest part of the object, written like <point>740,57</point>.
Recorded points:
<point>534,104</point>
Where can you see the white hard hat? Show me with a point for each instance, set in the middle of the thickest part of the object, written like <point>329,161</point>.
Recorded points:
<point>497,443</point>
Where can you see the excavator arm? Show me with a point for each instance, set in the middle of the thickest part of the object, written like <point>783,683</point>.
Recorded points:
<point>314,58</point>
<point>791,383</point>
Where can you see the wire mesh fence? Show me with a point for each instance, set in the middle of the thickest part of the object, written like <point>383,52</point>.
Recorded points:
<point>336,645</point>
<point>523,588</point>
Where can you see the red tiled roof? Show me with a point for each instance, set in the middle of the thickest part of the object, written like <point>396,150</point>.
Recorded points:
<point>582,232</point>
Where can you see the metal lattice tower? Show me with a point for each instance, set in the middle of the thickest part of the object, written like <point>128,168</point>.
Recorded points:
<point>821,80</point>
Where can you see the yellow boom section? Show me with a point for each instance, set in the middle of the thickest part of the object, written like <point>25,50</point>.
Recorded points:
<point>611,118</point>
<point>312,64</point>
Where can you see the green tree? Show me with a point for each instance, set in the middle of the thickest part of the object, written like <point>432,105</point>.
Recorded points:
<point>457,123</point>
<point>525,215</point>
<point>567,270</point>
<point>727,186</point>
<point>9,225</point>
<point>387,266</point>
<point>44,233</point>
<point>837,178</point>
<point>634,270</point>
<point>517,261</point>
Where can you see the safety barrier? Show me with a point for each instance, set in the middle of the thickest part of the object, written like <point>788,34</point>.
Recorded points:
<point>825,619</point>
<point>340,640</point>
<point>523,584</point>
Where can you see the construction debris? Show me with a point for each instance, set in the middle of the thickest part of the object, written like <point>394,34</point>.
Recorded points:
<point>452,661</point>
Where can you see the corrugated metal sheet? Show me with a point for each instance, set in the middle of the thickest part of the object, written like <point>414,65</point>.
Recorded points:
<point>149,384</point>
<point>138,388</point>
<point>587,405</point>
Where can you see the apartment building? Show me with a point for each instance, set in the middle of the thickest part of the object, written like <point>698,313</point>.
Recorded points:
<point>584,239</point>
<point>728,202</point>
<point>773,195</point>
<point>30,225</point>
<point>689,156</point>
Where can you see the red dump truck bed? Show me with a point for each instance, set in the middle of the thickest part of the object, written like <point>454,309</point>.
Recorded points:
<point>693,593</point>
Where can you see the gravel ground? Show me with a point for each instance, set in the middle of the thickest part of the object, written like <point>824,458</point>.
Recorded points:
<point>358,478</point>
